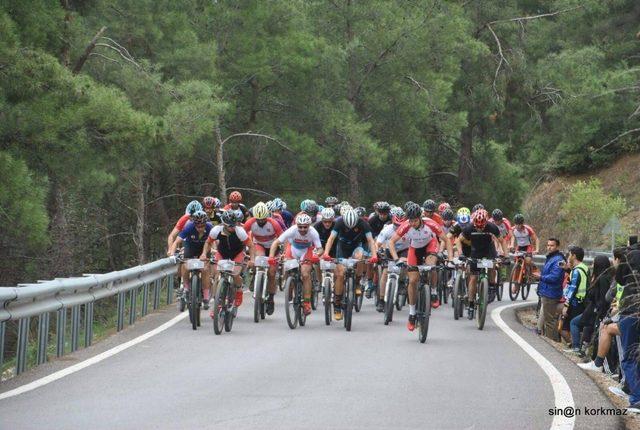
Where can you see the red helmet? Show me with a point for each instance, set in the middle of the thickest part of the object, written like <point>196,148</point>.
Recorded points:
<point>443,207</point>
<point>208,202</point>
<point>480,218</point>
<point>235,197</point>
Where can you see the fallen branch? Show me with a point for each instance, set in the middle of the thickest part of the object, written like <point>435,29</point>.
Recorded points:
<point>635,130</point>
<point>502,59</point>
<point>87,51</point>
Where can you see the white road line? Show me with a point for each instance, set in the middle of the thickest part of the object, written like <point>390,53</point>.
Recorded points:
<point>90,361</point>
<point>561,390</point>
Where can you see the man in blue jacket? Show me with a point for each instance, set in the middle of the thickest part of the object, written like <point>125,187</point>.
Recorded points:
<point>550,288</point>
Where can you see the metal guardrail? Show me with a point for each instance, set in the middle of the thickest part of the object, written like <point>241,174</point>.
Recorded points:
<point>26,301</point>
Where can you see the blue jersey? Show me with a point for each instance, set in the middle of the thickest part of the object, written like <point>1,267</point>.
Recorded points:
<point>191,238</point>
<point>287,217</point>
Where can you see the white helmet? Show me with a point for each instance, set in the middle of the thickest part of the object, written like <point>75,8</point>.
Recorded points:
<point>303,219</point>
<point>344,209</point>
<point>327,213</point>
<point>350,218</point>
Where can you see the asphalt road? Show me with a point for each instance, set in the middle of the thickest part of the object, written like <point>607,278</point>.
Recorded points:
<point>315,377</point>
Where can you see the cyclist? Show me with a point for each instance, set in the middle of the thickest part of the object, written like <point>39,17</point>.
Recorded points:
<point>423,235</point>
<point>498,218</point>
<point>193,207</point>
<point>300,239</point>
<point>524,239</point>
<point>211,206</point>
<point>402,248</point>
<point>281,208</point>
<point>194,236</point>
<point>448,219</point>
<point>481,233</point>
<point>264,230</point>
<point>235,202</point>
<point>476,207</point>
<point>352,234</point>
<point>227,241</point>
<point>324,228</point>
<point>310,207</point>
<point>330,201</point>
<point>377,221</point>
<point>429,211</point>
<point>443,207</point>
<point>271,206</point>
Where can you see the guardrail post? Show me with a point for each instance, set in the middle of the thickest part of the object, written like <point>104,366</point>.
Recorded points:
<point>145,299</point>
<point>75,327</point>
<point>61,327</point>
<point>133,305</point>
<point>23,340</point>
<point>43,337</point>
<point>88,324</point>
<point>3,328</point>
<point>169,289</point>
<point>156,293</point>
<point>121,303</point>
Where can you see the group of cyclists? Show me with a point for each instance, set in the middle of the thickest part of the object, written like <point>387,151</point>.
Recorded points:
<point>409,235</point>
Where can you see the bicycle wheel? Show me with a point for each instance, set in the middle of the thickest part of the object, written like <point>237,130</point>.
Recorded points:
<point>231,310</point>
<point>526,285</point>
<point>439,287</point>
<point>445,286</point>
<point>402,295</point>
<point>349,302</point>
<point>193,301</point>
<point>258,284</point>
<point>182,303</point>
<point>423,308</point>
<point>358,300</point>
<point>513,282</point>
<point>302,318</point>
<point>499,285</point>
<point>220,307</point>
<point>314,298</point>
<point>388,304</point>
<point>457,298</point>
<point>483,301</point>
<point>326,298</point>
<point>263,302</point>
<point>290,303</point>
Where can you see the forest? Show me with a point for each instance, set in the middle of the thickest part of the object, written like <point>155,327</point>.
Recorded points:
<point>115,113</point>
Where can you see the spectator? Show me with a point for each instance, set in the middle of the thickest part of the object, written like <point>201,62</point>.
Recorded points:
<point>575,295</point>
<point>550,287</point>
<point>596,306</point>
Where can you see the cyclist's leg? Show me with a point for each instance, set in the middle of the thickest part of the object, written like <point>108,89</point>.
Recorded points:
<point>414,258</point>
<point>305,272</point>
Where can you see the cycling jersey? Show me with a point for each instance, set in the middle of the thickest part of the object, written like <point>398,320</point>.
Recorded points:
<point>377,224</point>
<point>230,245</point>
<point>265,235</point>
<point>387,233</point>
<point>504,226</point>
<point>324,234</point>
<point>349,240</point>
<point>182,222</point>
<point>481,240</point>
<point>279,220</point>
<point>435,217</point>
<point>523,238</point>
<point>193,240</point>
<point>288,218</point>
<point>426,235</point>
<point>300,246</point>
<point>455,231</point>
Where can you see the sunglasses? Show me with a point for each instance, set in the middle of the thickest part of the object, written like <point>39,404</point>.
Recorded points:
<point>303,227</point>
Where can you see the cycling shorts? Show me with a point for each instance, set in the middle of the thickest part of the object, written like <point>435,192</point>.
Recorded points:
<point>297,253</point>
<point>416,256</point>
<point>343,251</point>
<point>525,248</point>
<point>401,254</point>
<point>193,251</point>
<point>262,250</point>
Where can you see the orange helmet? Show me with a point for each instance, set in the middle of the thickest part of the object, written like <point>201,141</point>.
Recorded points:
<point>235,197</point>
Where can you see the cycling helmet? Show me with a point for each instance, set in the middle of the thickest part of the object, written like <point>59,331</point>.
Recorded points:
<point>284,205</point>
<point>320,208</point>
<point>278,204</point>
<point>476,207</point>
<point>331,201</point>
<point>208,202</point>
<point>345,208</point>
<point>193,207</point>
<point>464,211</point>
<point>480,218</point>
<point>229,217</point>
<point>447,214</point>
<point>217,203</point>
<point>260,210</point>
<point>497,215</point>
<point>350,218</point>
<point>398,217</point>
<point>239,215</point>
<point>235,197</point>
<point>414,211</point>
<point>327,213</point>
<point>397,211</point>
<point>429,205</point>
<point>384,207</point>
<point>303,219</point>
<point>344,203</point>
<point>271,206</point>
<point>463,219</point>
<point>518,219</point>
<point>312,209</point>
<point>304,204</point>
<point>443,207</point>
<point>407,204</point>
<point>200,217</point>
<point>361,211</point>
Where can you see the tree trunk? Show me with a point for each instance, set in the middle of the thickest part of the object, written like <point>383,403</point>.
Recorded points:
<point>464,162</point>
<point>222,180</point>
<point>352,97</point>
<point>61,252</point>
<point>354,186</point>
<point>66,34</point>
<point>141,214</point>
<point>87,51</point>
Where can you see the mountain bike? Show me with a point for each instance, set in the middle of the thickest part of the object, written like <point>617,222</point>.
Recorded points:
<point>192,299</point>
<point>294,294</point>
<point>391,289</point>
<point>224,310</point>
<point>327,268</point>
<point>423,301</point>
<point>349,295</point>
<point>260,293</point>
<point>520,278</point>
<point>482,288</point>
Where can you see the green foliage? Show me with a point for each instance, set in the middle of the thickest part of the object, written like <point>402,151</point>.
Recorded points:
<point>586,210</point>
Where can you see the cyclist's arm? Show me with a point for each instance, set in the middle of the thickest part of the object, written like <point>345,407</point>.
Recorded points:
<point>205,250</point>
<point>503,245</point>
<point>448,245</point>
<point>536,241</point>
<point>392,246</point>
<point>172,238</point>
<point>372,244</point>
<point>174,245</point>
<point>332,238</point>
<point>274,248</point>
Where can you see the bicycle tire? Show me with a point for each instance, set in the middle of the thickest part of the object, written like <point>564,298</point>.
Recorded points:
<point>389,305</point>
<point>457,298</point>
<point>526,287</point>
<point>193,301</point>
<point>326,299</point>
<point>445,287</point>
<point>258,285</point>
<point>182,304</point>
<point>499,285</point>
<point>349,300</point>
<point>358,300</point>
<point>219,307</point>
<point>290,305</point>
<point>482,302</point>
<point>263,304</point>
<point>423,308</point>
<point>402,298</point>
<point>230,314</point>
<point>513,283</point>
<point>314,298</point>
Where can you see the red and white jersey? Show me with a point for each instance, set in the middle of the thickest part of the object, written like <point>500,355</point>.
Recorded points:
<point>419,238</point>
<point>523,238</point>
<point>264,235</point>
<point>182,222</point>
<point>387,233</point>
<point>435,217</point>
<point>299,241</point>
<point>504,227</point>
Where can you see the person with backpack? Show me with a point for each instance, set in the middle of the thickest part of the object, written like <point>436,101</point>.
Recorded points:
<point>575,295</point>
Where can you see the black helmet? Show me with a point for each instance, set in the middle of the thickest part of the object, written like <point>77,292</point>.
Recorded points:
<point>407,204</point>
<point>476,207</point>
<point>200,217</point>
<point>229,217</point>
<point>518,219</point>
<point>429,205</point>
<point>448,215</point>
<point>361,211</point>
<point>414,211</point>
<point>312,209</point>
<point>331,201</point>
<point>497,215</point>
